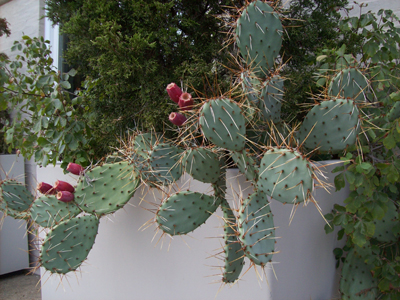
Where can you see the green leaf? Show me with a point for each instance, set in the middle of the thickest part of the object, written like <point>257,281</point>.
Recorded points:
<point>389,142</point>
<point>351,178</point>
<point>339,181</point>
<point>72,72</point>
<point>66,85</point>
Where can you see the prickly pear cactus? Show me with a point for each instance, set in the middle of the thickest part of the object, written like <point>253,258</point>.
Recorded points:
<point>68,244</point>
<point>202,164</point>
<point>349,84</point>
<point>259,37</point>
<point>15,198</point>
<point>106,188</point>
<point>286,176</point>
<point>256,228</point>
<point>184,211</point>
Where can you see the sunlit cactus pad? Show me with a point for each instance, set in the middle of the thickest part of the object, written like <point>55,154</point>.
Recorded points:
<point>331,126</point>
<point>259,36</point>
<point>234,255</point>
<point>48,211</point>
<point>349,84</point>
<point>223,123</point>
<point>256,228</point>
<point>357,281</point>
<point>183,212</point>
<point>106,188</point>
<point>285,176</point>
<point>15,197</point>
<point>68,244</point>
<point>202,164</point>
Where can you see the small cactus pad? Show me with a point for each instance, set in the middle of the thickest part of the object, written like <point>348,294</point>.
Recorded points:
<point>222,122</point>
<point>165,162</point>
<point>357,282</point>
<point>285,176</point>
<point>234,255</point>
<point>331,126</point>
<point>47,211</point>
<point>143,143</point>
<point>384,228</point>
<point>15,196</point>
<point>68,244</point>
<point>256,228</point>
<point>107,188</point>
<point>271,98</point>
<point>202,164</point>
<point>246,164</point>
<point>349,84</point>
<point>183,212</point>
<point>259,36</point>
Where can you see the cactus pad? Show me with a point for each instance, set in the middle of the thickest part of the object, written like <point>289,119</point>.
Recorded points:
<point>183,212</point>
<point>285,176</point>
<point>143,143</point>
<point>256,228</point>
<point>68,244</point>
<point>202,164</point>
<point>357,281</point>
<point>47,211</point>
<point>222,122</point>
<point>259,36</point>
<point>331,126</point>
<point>271,98</point>
<point>15,197</point>
<point>246,164</point>
<point>384,228</point>
<point>107,188</point>
<point>234,255</point>
<point>349,84</point>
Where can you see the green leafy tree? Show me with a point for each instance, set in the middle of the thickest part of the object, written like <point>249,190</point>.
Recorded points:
<point>44,115</point>
<point>128,51</point>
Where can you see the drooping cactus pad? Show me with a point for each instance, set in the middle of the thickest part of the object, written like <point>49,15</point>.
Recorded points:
<point>256,228</point>
<point>68,244</point>
<point>183,212</point>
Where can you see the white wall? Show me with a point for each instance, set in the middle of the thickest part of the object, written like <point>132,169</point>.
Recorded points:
<point>126,263</point>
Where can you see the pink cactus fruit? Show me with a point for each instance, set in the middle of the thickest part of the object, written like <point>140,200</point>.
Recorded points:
<point>185,101</point>
<point>174,92</point>
<point>45,188</point>
<point>65,196</point>
<point>63,186</point>
<point>177,118</point>
<point>75,168</point>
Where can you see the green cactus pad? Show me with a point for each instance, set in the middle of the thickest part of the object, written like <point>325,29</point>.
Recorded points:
<point>202,164</point>
<point>331,126</point>
<point>48,211</point>
<point>223,123</point>
<point>285,176</point>
<point>183,212</point>
<point>68,244</point>
<point>143,143</point>
<point>357,281</point>
<point>251,86</point>
<point>384,228</point>
<point>15,197</point>
<point>246,164</point>
<point>259,36</point>
<point>271,99</point>
<point>165,162</point>
<point>256,228</point>
<point>234,255</point>
<point>349,84</point>
<point>106,188</point>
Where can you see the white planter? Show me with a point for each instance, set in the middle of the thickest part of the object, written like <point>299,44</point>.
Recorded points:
<point>126,263</point>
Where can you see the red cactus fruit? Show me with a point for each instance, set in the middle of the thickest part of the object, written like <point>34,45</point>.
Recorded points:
<point>65,196</point>
<point>185,101</point>
<point>75,168</point>
<point>174,92</point>
<point>177,118</point>
<point>45,188</point>
<point>63,186</point>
